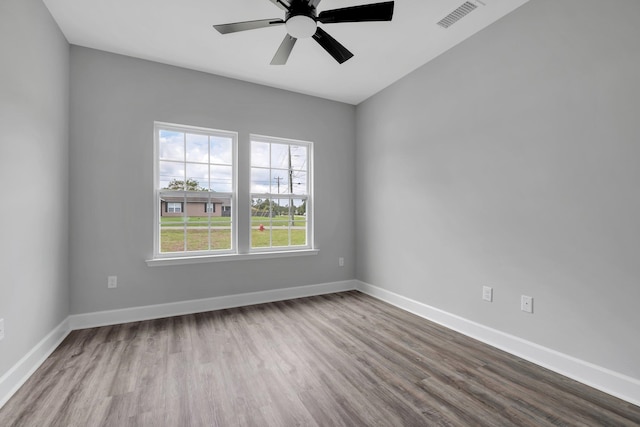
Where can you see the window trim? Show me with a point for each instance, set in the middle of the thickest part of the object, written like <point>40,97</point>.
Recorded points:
<point>157,255</point>
<point>308,197</point>
<point>240,250</point>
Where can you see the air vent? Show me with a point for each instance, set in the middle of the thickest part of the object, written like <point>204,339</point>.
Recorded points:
<point>457,14</point>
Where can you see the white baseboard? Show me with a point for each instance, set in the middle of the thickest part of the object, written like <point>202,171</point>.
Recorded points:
<point>134,314</point>
<point>603,379</point>
<point>13,379</point>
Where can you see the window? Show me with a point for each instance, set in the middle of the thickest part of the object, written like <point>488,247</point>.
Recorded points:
<point>199,214</point>
<point>280,193</point>
<point>173,207</point>
<point>194,171</point>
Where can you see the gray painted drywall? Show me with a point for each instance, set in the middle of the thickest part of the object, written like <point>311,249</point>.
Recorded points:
<point>34,143</point>
<point>114,102</point>
<point>512,161</point>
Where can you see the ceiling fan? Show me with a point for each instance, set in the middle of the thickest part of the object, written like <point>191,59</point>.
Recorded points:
<point>301,21</point>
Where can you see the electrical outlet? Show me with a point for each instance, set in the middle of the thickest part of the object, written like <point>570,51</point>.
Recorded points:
<point>487,293</point>
<point>1,329</point>
<point>341,262</point>
<point>526,304</point>
<point>112,282</point>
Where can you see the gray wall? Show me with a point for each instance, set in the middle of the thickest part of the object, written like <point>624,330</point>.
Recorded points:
<point>114,102</point>
<point>34,113</point>
<point>512,161</point>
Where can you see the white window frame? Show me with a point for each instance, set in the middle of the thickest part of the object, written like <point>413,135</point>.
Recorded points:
<point>241,221</point>
<point>308,197</point>
<point>157,255</point>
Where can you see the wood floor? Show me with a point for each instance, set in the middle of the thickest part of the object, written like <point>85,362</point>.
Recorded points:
<point>337,360</point>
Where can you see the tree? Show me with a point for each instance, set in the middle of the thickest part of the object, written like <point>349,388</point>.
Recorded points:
<point>302,209</point>
<point>190,185</point>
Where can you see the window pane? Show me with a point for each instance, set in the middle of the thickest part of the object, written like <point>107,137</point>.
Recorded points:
<point>222,179</point>
<point>221,150</point>
<point>197,236</point>
<point>260,180</point>
<point>297,222</point>
<point>280,231</point>
<point>172,234</point>
<point>220,223</point>
<point>260,154</point>
<point>260,223</point>
<point>298,157</point>
<point>171,145</point>
<point>299,182</point>
<point>279,181</point>
<point>197,148</point>
<point>280,156</point>
<point>197,177</point>
<point>170,171</point>
<point>260,208</point>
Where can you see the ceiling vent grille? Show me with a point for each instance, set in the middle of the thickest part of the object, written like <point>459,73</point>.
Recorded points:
<point>457,14</point>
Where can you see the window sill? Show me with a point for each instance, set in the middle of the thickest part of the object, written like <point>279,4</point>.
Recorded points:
<point>159,262</point>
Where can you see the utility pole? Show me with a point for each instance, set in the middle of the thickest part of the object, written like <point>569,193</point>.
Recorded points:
<point>278,178</point>
<point>291,212</point>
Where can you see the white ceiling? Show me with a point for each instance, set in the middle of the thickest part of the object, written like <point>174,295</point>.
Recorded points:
<point>180,33</point>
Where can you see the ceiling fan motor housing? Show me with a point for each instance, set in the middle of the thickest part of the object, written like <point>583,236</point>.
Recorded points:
<point>300,20</point>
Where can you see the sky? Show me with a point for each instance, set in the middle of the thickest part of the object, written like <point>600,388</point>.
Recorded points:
<point>209,160</point>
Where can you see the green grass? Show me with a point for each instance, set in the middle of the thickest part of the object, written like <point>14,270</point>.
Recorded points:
<point>179,220</point>
<point>280,237</point>
<point>172,239</point>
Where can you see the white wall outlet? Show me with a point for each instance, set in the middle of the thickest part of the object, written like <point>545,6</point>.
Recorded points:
<point>1,329</point>
<point>487,293</point>
<point>112,282</point>
<point>341,262</point>
<point>526,304</point>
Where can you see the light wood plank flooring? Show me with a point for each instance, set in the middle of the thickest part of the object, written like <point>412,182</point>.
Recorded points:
<point>344,359</point>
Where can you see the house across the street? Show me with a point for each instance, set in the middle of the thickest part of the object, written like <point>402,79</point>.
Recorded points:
<point>194,204</point>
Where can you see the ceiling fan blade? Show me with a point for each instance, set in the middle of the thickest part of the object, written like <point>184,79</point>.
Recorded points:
<point>363,13</point>
<point>282,55</point>
<point>314,3</point>
<point>247,25</point>
<point>331,45</point>
<point>282,4</point>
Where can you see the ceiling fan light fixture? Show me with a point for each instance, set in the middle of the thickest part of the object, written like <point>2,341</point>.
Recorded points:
<point>301,26</point>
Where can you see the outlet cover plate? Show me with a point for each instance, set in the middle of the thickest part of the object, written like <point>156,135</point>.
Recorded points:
<point>112,282</point>
<point>487,293</point>
<point>526,304</point>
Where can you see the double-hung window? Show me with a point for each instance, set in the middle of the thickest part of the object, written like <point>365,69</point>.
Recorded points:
<point>202,208</point>
<point>280,194</point>
<point>194,171</point>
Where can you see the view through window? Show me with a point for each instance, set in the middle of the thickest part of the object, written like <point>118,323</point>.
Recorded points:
<point>195,189</point>
<point>197,200</point>
<point>279,193</point>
